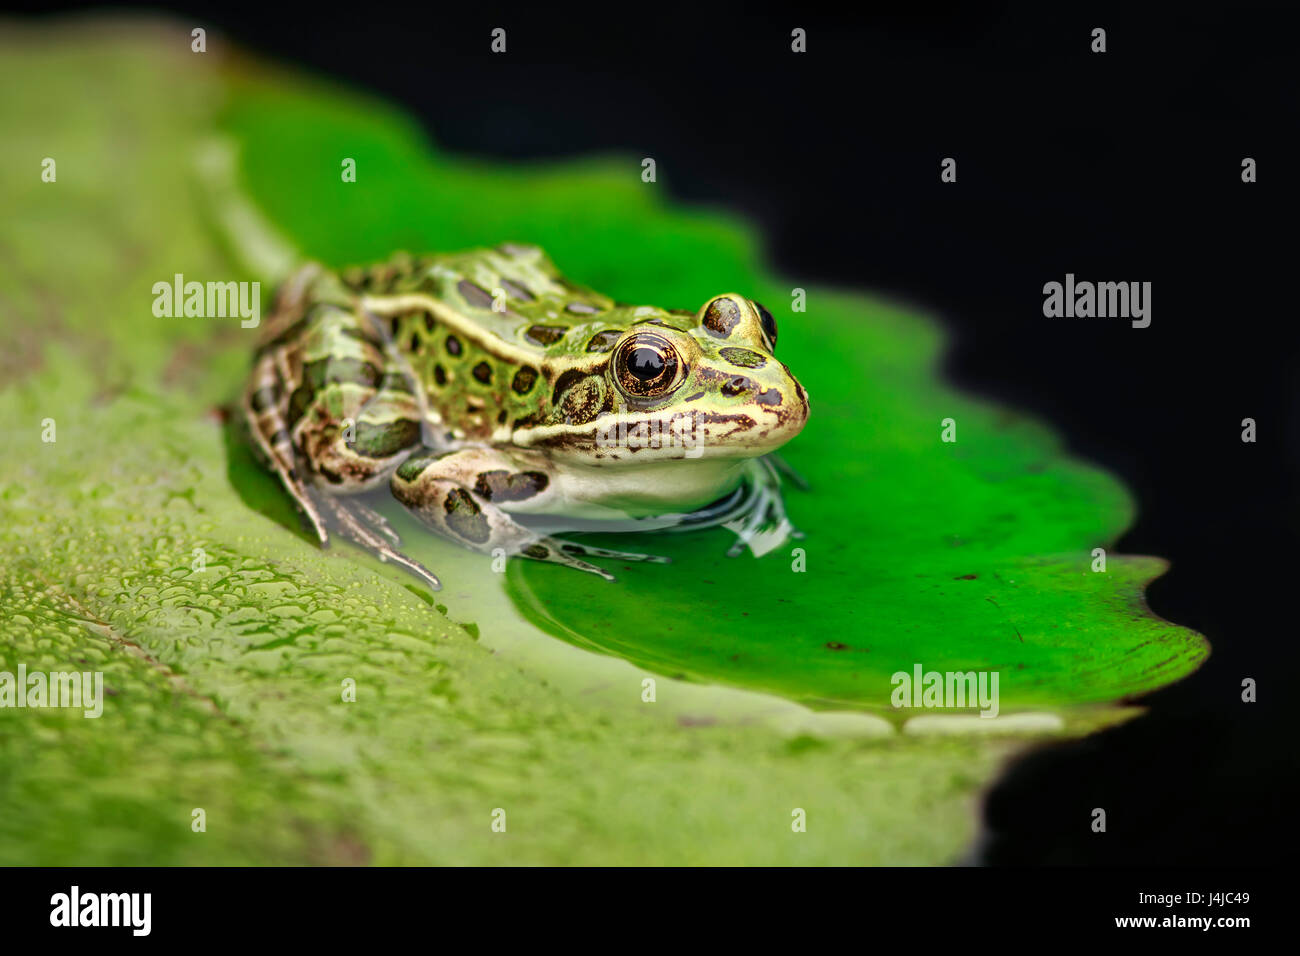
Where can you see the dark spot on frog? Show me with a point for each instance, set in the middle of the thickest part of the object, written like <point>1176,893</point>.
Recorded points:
<point>524,380</point>
<point>386,440</point>
<point>501,417</point>
<point>501,485</point>
<point>517,291</point>
<point>692,398</point>
<point>360,334</point>
<point>736,385</point>
<point>537,551</point>
<point>474,294</point>
<point>545,334</point>
<point>603,341</point>
<point>743,357</point>
<point>578,396</point>
<point>527,421</point>
<point>482,372</point>
<point>440,375</point>
<point>299,402</point>
<point>581,308</point>
<point>290,333</point>
<point>740,385</point>
<point>414,343</point>
<point>430,322</point>
<point>836,646</point>
<point>395,325</point>
<point>465,517</point>
<point>266,397</point>
<point>397,382</point>
<point>721,317</point>
<point>454,347</point>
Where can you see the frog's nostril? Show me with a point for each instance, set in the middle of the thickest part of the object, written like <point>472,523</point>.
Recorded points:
<point>736,385</point>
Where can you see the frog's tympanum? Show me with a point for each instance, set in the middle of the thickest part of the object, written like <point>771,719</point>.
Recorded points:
<point>496,398</point>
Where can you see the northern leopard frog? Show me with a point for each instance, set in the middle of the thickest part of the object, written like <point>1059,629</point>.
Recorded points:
<point>494,396</point>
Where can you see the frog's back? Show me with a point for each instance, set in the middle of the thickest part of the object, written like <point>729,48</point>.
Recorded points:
<point>512,293</point>
<point>487,333</point>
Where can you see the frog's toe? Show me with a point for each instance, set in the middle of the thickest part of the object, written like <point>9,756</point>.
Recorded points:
<point>761,538</point>
<point>591,568</point>
<point>376,521</point>
<point>557,552</point>
<point>586,550</point>
<point>415,567</point>
<point>570,554</point>
<point>351,520</point>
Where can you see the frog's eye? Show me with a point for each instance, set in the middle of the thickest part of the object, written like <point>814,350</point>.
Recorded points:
<point>647,366</point>
<point>768,323</point>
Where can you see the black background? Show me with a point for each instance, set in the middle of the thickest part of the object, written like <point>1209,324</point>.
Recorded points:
<point>1117,166</point>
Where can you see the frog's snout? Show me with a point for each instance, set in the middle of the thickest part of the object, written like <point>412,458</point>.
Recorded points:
<point>775,401</point>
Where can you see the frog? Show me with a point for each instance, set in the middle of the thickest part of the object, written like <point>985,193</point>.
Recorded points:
<point>501,404</point>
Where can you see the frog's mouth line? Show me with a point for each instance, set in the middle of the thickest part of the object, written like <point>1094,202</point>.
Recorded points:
<point>680,436</point>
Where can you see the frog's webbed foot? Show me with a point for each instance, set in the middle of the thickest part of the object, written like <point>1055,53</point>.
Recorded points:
<point>366,527</point>
<point>570,554</point>
<point>763,526</point>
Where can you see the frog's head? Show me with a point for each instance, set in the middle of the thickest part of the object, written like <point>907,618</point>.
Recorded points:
<point>701,386</point>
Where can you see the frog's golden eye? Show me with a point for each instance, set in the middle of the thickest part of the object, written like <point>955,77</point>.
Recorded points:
<point>647,366</point>
<point>768,323</point>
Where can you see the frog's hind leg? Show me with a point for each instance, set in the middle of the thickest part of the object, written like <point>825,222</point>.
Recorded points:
<point>266,402</point>
<point>349,418</point>
<point>263,407</point>
<point>460,495</point>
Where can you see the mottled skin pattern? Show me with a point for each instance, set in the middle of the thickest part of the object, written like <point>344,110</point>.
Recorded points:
<point>482,386</point>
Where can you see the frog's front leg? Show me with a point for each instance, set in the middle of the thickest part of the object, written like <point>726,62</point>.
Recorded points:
<point>762,524</point>
<point>462,495</point>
